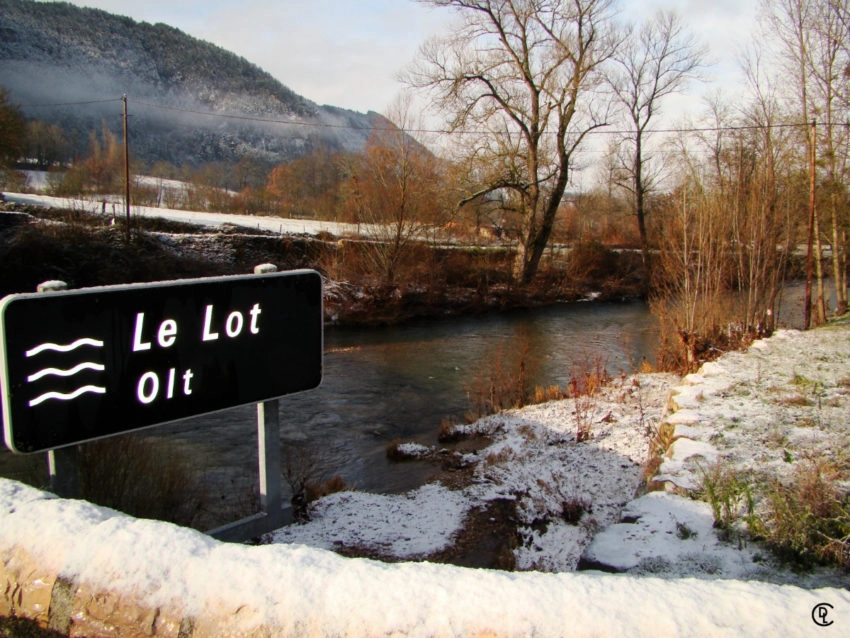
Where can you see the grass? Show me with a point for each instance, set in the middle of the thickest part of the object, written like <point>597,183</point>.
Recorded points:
<point>683,532</point>
<point>804,520</point>
<point>729,493</point>
<point>661,438</point>
<point>807,520</point>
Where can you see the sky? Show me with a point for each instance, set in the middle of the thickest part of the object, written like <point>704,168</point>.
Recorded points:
<point>347,53</point>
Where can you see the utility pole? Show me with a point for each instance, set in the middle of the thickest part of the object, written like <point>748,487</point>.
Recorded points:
<point>126,167</point>
<point>809,256</point>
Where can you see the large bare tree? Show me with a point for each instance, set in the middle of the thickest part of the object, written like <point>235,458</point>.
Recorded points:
<point>517,80</point>
<point>657,59</point>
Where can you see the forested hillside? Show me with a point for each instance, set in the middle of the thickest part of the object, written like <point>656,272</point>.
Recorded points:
<point>70,66</point>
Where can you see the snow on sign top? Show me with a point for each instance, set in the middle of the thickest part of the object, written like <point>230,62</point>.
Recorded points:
<point>84,364</point>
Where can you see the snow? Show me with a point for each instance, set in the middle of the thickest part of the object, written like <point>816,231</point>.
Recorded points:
<point>666,528</point>
<point>409,525</point>
<point>201,218</point>
<point>301,590</point>
<point>682,579</point>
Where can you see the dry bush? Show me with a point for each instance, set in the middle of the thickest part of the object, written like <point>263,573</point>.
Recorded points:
<point>587,378</point>
<point>499,458</point>
<point>585,382</point>
<point>645,366</point>
<point>796,400</point>
<point>503,381</point>
<point>299,469</point>
<point>143,477</point>
<point>449,432</point>
<point>549,393</point>
<point>82,255</point>
<point>661,438</point>
<point>807,520</point>
<point>317,490</point>
<point>583,418</point>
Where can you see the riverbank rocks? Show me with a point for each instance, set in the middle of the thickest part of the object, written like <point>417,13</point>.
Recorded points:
<point>759,414</point>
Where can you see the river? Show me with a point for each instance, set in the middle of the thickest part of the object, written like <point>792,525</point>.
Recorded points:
<point>401,382</point>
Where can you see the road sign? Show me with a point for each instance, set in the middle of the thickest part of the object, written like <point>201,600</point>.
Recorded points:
<point>85,364</point>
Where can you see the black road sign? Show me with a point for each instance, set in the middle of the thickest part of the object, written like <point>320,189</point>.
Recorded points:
<point>84,364</point>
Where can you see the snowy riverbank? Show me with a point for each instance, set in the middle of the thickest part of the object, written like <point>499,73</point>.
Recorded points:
<point>776,407</point>
<point>570,500</point>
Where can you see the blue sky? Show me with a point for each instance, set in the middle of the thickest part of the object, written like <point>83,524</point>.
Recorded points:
<point>348,52</point>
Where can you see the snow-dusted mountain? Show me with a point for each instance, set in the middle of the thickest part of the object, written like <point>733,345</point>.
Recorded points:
<point>81,61</point>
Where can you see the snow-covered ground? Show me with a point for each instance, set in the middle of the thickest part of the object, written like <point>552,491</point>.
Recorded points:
<point>572,499</point>
<point>266,223</point>
<point>745,409</point>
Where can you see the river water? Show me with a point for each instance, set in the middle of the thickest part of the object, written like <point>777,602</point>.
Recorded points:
<point>401,382</point>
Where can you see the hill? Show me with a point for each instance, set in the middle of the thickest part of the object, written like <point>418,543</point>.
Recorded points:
<point>190,101</point>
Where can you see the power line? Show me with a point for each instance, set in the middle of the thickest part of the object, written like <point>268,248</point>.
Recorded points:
<point>598,131</point>
<point>352,127</point>
<point>35,106</point>
<point>267,120</point>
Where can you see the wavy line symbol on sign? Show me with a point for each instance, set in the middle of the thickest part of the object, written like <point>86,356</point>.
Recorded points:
<point>65,372</point>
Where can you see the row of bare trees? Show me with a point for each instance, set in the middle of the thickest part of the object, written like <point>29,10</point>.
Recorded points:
<point>525,84</point>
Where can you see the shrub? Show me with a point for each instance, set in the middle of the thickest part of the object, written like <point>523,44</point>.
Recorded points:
<point>144,478</point>
<point>808,519</point>
<point>315,490</point>
<point>729,493</point>
<point>449,432</point>
<point>503,382</point>
<point>573,509</point>
<point>585,382</point>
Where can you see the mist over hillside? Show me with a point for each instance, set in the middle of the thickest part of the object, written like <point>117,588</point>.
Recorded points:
<point>78,62</point>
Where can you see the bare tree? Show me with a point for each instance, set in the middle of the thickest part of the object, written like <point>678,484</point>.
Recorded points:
<point>517,80</point>
<point>829,62</point>
<point>657,59</point>
<point>790,24</point>
<point>395,189</point>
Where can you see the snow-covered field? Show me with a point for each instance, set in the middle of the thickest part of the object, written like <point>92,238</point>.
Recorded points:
<point>201,218</point>
<point>676,584</point>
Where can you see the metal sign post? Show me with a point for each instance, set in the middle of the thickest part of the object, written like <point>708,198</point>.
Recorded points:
<point>268,443</point>
<point>63,468</point>
<point>268,459</point>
